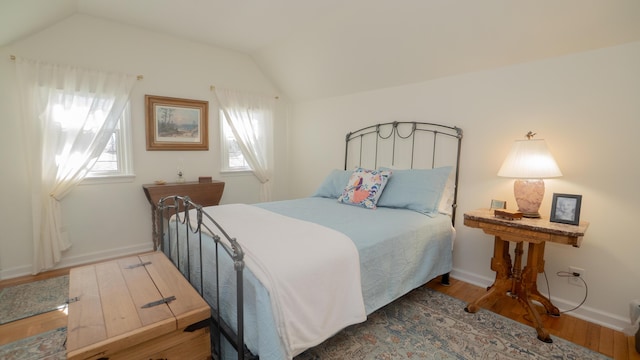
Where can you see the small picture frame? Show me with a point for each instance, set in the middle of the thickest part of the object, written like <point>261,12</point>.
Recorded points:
<point>176,124</point>
<point>498,204</point>
<point>565,208</point>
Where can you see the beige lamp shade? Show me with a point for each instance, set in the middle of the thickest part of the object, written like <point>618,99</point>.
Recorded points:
<point>529,161</point>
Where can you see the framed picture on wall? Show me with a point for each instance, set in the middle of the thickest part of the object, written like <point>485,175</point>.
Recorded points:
<point>565,208</point>
<point>176,124</point>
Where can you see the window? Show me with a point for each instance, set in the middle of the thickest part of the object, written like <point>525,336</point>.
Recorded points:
<point>115,160</point>
<point>250,147</point>
<point>232,158</point>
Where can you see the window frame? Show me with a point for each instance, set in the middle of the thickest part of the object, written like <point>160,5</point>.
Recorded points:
<point>124,154</point>
<point>224,149</point>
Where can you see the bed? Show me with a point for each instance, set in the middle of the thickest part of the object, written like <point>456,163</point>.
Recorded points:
<point>282,277</point>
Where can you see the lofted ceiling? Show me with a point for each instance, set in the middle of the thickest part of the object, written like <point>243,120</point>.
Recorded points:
<point>321,48</point>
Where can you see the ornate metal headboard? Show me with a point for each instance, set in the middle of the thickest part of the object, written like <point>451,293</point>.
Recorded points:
<point>405,145</point>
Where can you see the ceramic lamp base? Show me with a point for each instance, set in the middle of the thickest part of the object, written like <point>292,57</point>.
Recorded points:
<point>529,195</point>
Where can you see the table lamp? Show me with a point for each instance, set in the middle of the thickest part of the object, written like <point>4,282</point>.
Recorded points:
<point>529,162</point>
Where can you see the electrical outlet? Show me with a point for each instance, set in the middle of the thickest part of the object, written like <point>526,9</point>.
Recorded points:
<point>573,280</point>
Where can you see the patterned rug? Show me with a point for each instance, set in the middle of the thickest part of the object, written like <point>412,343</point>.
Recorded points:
<point>45,346</point>
<point>426,324</point>
<point>21,301</point>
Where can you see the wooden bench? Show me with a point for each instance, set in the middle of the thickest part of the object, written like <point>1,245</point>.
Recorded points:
<point>139,307</point>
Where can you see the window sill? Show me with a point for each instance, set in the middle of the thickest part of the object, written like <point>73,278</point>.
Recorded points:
<point>236,172</point>
<point>112,179</point>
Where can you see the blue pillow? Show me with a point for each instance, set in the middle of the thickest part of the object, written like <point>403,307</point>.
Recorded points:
<point>333,184</point>
<point>415,189</point>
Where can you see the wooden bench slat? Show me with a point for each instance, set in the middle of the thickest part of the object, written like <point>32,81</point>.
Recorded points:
<point>143,291</point>
<point>88,325</point>
<point>191,308</point>
<point>120,314</point>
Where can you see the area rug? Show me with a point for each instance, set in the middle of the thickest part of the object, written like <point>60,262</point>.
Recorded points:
<point>46,346</point>
<point>426,324</point>
<point>21,301</point>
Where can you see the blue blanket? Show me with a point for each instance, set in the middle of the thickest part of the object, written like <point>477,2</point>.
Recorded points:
<point>399,251</point>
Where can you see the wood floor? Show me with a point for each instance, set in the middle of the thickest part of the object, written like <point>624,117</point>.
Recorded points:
<point>612,343</point>
<point>609,342</point>
<point>33,325</point>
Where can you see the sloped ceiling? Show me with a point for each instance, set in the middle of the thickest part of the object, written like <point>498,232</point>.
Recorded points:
<point>321,48</point>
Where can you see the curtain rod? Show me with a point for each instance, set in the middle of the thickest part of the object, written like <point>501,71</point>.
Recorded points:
<point>213,88</point>
<point>138,77</point>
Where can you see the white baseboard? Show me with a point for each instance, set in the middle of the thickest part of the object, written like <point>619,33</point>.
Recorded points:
<point>587,313</point>
<point>471,278</point>
<point>584,312</point>
<point>79,260</point>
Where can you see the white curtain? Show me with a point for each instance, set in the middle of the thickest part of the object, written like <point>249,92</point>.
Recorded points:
<point>250,117</point>
<point>68,115</point>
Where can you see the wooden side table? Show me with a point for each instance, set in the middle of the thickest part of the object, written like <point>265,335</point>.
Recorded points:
<point>511,278</point>
<point>205,194</point>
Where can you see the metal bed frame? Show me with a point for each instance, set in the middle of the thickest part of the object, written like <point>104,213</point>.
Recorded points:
<point>180,207</point>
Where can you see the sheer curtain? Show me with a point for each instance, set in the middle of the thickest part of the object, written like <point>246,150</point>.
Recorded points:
<point>250,117</point>
<point>68,114</point>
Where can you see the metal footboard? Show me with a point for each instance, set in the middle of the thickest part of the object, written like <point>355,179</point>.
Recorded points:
<point>191,218</point>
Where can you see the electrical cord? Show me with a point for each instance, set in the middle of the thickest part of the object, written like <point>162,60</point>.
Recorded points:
<point>568,274</point>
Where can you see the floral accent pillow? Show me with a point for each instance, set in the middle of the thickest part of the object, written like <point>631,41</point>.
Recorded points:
<point>365,187</point>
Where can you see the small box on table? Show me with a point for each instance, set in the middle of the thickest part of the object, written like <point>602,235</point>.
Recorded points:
<point>507,214</point>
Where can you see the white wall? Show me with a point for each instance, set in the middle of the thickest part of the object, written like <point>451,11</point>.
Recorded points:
<point>587,108</point>
<point>585,105</point>
<point>106,220</point>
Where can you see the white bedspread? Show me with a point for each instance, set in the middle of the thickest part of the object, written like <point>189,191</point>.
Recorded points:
<point>312,272</point>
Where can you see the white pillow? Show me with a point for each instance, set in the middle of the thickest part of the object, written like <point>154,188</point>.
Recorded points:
<point>446,201</point>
